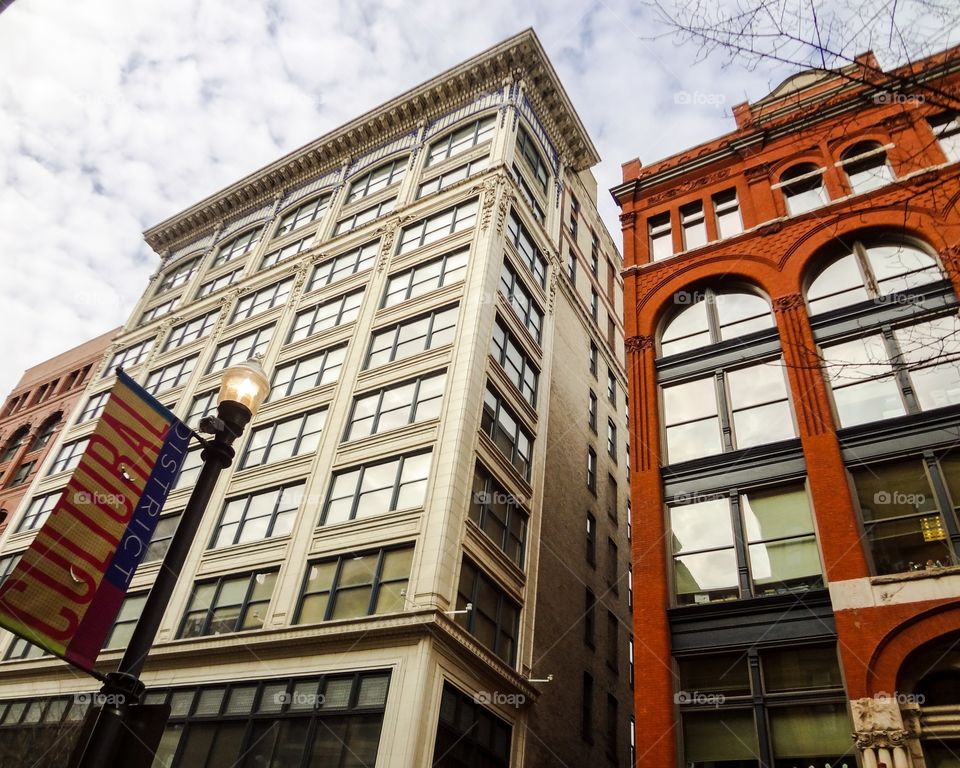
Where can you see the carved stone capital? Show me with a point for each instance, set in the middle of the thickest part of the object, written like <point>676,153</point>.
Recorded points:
<point>757,173</point>
<point>787,303</point>
<point>628,219</point>
<point>881,739</point>
<point>637,344</point>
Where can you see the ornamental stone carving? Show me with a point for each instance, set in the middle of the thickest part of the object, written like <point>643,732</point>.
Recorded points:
<point>787,303</point>
<point>637,344</point>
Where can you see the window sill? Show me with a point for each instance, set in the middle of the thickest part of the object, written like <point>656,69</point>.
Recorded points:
<point>931,573</point>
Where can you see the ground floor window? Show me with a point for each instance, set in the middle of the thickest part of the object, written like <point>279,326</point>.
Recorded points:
<point>469,735</point>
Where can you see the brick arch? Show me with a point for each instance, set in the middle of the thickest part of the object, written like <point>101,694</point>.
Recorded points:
<point>811,156</point>
<point>900,642</point>
<point>840,146</point>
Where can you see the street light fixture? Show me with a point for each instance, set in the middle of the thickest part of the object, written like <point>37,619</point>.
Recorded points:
<point>243,388</point>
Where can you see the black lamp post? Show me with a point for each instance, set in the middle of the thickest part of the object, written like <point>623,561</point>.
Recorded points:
<point>242,390</point>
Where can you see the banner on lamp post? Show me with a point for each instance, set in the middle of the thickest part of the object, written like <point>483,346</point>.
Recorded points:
<point>66,590</point>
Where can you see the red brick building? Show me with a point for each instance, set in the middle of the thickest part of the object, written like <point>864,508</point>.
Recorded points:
<point>792,344</point>
<point>34,413</point>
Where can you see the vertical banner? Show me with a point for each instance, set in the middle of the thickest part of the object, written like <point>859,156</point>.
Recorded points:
<point>66,591</point>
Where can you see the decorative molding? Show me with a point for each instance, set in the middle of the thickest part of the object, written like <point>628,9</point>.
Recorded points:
<point>628,220</point>
<point>506,199</point>
<point>757,173</point>
<point>489,188</point>
<point>637,344</point>
<point>788,303</point>
<point>676,190</point>
<point>769,229</point>
<point>899,121</point>
<point>552,292</point>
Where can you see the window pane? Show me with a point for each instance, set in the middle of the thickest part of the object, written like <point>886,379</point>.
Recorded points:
<point>711,738</point>
<point>690,441</point>
<point>686,402</point>
<point>838,285</point>
<point>705,525</point>
<point>757,384</point>
<point>780,566</point>
<point>706,577</point>
<point>816,732</point>
<point>800,669</point>
<point>726,674</point>
<point>763,424</point>
<point>868,401</point>
<point>777,513</point>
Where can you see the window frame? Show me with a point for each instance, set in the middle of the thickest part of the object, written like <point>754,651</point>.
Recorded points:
<point>293,487</point>
<point>244,605</point>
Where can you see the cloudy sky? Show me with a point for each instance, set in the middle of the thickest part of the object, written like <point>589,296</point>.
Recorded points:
<point>115,115</point>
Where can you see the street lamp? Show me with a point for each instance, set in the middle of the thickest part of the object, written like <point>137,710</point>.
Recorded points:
<point>243,388</point>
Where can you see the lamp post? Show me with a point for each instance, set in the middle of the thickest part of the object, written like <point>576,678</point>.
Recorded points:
<point>242,390</point>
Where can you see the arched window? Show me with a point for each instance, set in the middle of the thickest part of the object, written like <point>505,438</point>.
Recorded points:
<point>713,316</point>
<point>14,443</point>
<point>870,271</point>
<point>865,164</point>
<point>381,177</point>
<point>178,275</point>
<point>46,432</point>
<point>802,187</point>
<point>238,246</point>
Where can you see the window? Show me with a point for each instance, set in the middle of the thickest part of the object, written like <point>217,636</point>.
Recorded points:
<point>574,216</point>
<point>239,246</point>
<point>613,499</point>
<point>586,708</point>
<point>589,618</point>
<point>870,271</point>
<point>946,129</point>
<point>592,470</point>
<point>506,350</point>
<point>287,252</point>
<point>883,375</point>
<point>162,536</point>
<point>865,164</point>
<point>572,265</point>
<point>611,387</point>
<point>419,280</point>
<point>159,310</point>
<point>37,512</point>
<point>501,425</point>
<point>7,564</point>
<point>613,566</point>
<point>468,735</point>
<point>257,516</point>
<point>612,439</point>
<point>190,470</point>
<point>797,693</point>
<point>612,720</point>
<point>129,357</point>
<point>21,649</point>
<point>802,187</point>
<point>709,316</point>
<point>330,314</point>
<point>303,214</point>
<point>693,225</point>
<point>498,514</point>
<point>355,584</point>
<point>381,177</point>
<point>592,411</point>
<point>728,411</point>
<point>365,216</point>
<point>495,619</point>
<point>252,304</point>
<point>594,357</point>
<point>170,376</point>
<point>218,283</point>
<point>630,588</point>
<point>767,532</point>
<point>462,139</point>
<point>346,264</point>
<point>521,301</point>
<point>320,368</point>
<point>378,488</point>
<point>284,439</point>
<point>726,209</point>
<point>22,473</point>
<point>191,330</point>
<point>527,149</point>
<point>202,404</point>
<point>419,334</point>
<point>122,629</point>
<point>46,431</point>
<point>903,512</point>
<point>228,604</point>
<point>68,456</point>
<point>396,406</point>
<point>438,226</point>
<point>240,348</point>
<point>613,640</point>
<point>94,406</point>
<point>661,236</point>
<point>532,256</point>
<point>527,192</point>
<point>177,276</point>
<point>595,256</point>
<point>441,182</point>
<point>594,305</point>
<point>591,539</point>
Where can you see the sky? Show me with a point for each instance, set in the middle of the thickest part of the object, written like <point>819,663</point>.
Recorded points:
<point>115,115</point>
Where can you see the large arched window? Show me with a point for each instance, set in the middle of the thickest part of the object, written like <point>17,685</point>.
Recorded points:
<point>237,247</point>
<point>865,164</point>
<point>14,443</point>
<point>870,271</point>
<point>178,275</point>
<point>802,187</point>
<point>47,431</point>
<point>711,316</point>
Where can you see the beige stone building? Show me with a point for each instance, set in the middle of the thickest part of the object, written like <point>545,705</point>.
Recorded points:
<point>420,555</point>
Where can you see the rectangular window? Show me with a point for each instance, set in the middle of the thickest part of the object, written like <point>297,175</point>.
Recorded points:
<point>594,255</point>
<point>410,337</point>
<point>257,516</point>
<point>946,129</point>
<point>190,470</point>
<point>591,539</point>
<point>574,216</point>
<point>204,403</point>
<point>68,456</point>
<point>178,276</point>
<point>528,195</point>
<point>498,514</point>
<point>594,305</point>
<point>346,264</point>
<point>572,265</point>
<point>693,225</point>
<point>613,501</point>
<point>22,473</point>
<point>162,535</point>
<point>240,348</point>
<point>428,276</point>
<point>21,649</point>
<point>519,238</point>
<point>172,375</point>
<point>94,406</point>
<point>396,406</point>
<point>592,411</point>
<point>228,604</point>
<point>469,735</point>
<point>122,629</point>
<point>355,584</point>
<point>590,618</point>
<point>376,489</point>
<point>191,330</point>
<point>268,297</point>
<point>612,718</point>
<point>527,149</point>
<point>284,439</point>
<point>219,283</point>
<point>322,317</point>
<point>239,246</point>
<point>286,252</point>
<point>613,566</point>
<point>613,640</point>
<point>611,387</point>
<point>303,214</point>
<point>661,236</point>
<point>440,225</point>
<point>381,177</point>
<point>365,216</point>
<point>494,619</point>
<point>726,209</point>
<point>502,425</point>
<point>586,708</point>
<point>521,301</point>
<point>297,376</point>
<point>612,439</point>
<point>159,310</point>
<point>506,350</point>
<point>129,357</point>
<point>448,179</point>
<point>462,139</point>
<point>594,359</point>
<point>592,470</point>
